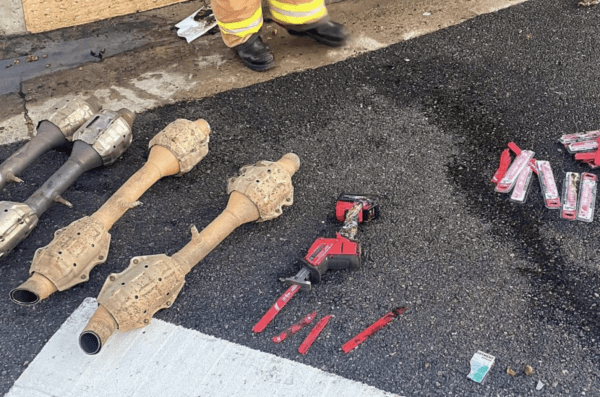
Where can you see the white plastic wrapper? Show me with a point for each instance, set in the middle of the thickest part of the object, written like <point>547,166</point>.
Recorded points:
<point>548,185</point>
<point>569,196</point>
<point>586,146</point>
<point>481,363</point>
<point>587,197</point>
<point>579,137</point>
<point>510,178</point>
<point>521,190</point>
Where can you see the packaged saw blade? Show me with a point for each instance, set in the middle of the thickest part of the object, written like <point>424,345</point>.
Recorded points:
<point>519,194</point>
<point>579,137</point>
<point>569,196</point>
<point>548,185</point>
<point>587,197</point>
<point>585,146</point>
<point>510,178</point>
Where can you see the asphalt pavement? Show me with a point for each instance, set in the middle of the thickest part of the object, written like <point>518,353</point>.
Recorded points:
<point>421,124</point>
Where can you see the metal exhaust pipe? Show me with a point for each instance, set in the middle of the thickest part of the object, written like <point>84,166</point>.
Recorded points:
<point>85,243</point>
<point>152,283</point>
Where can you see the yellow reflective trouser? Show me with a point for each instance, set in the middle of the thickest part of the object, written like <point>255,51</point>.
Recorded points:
<point>239,19</point>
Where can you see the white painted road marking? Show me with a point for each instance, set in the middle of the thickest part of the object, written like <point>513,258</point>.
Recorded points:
<point>165,359</point>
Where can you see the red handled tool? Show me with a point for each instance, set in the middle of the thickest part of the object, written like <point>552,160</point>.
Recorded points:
<point>341,252</point>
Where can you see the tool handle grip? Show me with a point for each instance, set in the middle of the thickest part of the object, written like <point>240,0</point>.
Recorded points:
<point>332,262</point>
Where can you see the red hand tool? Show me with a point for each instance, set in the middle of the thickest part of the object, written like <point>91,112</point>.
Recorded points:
<point>340,252</point>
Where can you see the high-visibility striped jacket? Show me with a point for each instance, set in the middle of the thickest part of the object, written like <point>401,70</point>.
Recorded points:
<point>239,19</point>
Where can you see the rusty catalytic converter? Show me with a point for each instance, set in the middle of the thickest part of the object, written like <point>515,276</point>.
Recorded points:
<point>84,244</point>
<point>100,141</point>
<point>129,299</point>
<point>55,131</point>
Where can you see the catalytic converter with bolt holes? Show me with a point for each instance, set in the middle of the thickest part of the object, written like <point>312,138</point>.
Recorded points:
<point>100,141</point>
<point>84,244</point>
<point>129,299</point>
<point>55,131</point>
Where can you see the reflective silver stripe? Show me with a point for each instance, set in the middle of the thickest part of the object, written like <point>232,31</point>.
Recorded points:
<point>297,14</point>
<point>253,25</point>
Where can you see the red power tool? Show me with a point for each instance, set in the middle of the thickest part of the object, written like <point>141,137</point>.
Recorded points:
<point>341,252</point>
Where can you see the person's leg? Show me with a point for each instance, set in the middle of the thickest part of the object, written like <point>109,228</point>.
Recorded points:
<point>239,22</point>
<point>308,18</point>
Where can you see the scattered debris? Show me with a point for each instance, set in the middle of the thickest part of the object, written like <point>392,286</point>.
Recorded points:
<point>340,252</point>
<point>584,145</point>
<point>510,178</point>
<point>539,386</point>
<point>588,3</point>
<point>16,62</point>
<point>521,189</point>
<point>313,334</point>
<point>528,370</point>
<point>295,328</point>
<point>481,363</point>
<point>376,326</point>
<point>32,58</point>
<point>587,199</point>
<point>196,25</point>
<point>548,185</point>
<point>98,54</point>
<point>569,196</point>
<point>510,371</point>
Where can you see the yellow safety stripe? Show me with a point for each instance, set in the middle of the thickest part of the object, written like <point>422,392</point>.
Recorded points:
<point>313,5</point>
<point>289,18</point>
<point>245,27</point>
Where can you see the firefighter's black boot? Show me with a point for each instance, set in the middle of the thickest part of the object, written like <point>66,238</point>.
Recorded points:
<point>327,32</point>
<point>255,54</point>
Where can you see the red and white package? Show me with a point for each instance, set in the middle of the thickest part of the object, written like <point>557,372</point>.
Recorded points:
<point>569,196</point>
<point>586,146</point>
<point>510,178</point>
<point>548,185</point>
<point>519,194</point>
<point>579,137</point>
<point>587,197</point>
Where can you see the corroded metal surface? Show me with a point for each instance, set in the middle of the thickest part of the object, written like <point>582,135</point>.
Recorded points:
<point>108,132</point>
<point>187,140</point>
<point>73,253</point>
<point>267,184</point>
<point>70,114</point>
<point>149,284</point>
<point>16,222</point>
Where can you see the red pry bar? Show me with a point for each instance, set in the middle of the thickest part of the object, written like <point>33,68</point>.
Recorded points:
<point>276,308</point>
<point>313,334</point>
<point>295,328</point>
<point>376,326</point>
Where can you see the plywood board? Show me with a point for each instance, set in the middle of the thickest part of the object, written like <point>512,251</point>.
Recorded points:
<point>45,15</point>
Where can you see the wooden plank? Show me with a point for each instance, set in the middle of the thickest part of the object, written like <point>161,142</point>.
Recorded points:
<point>45,15</point>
